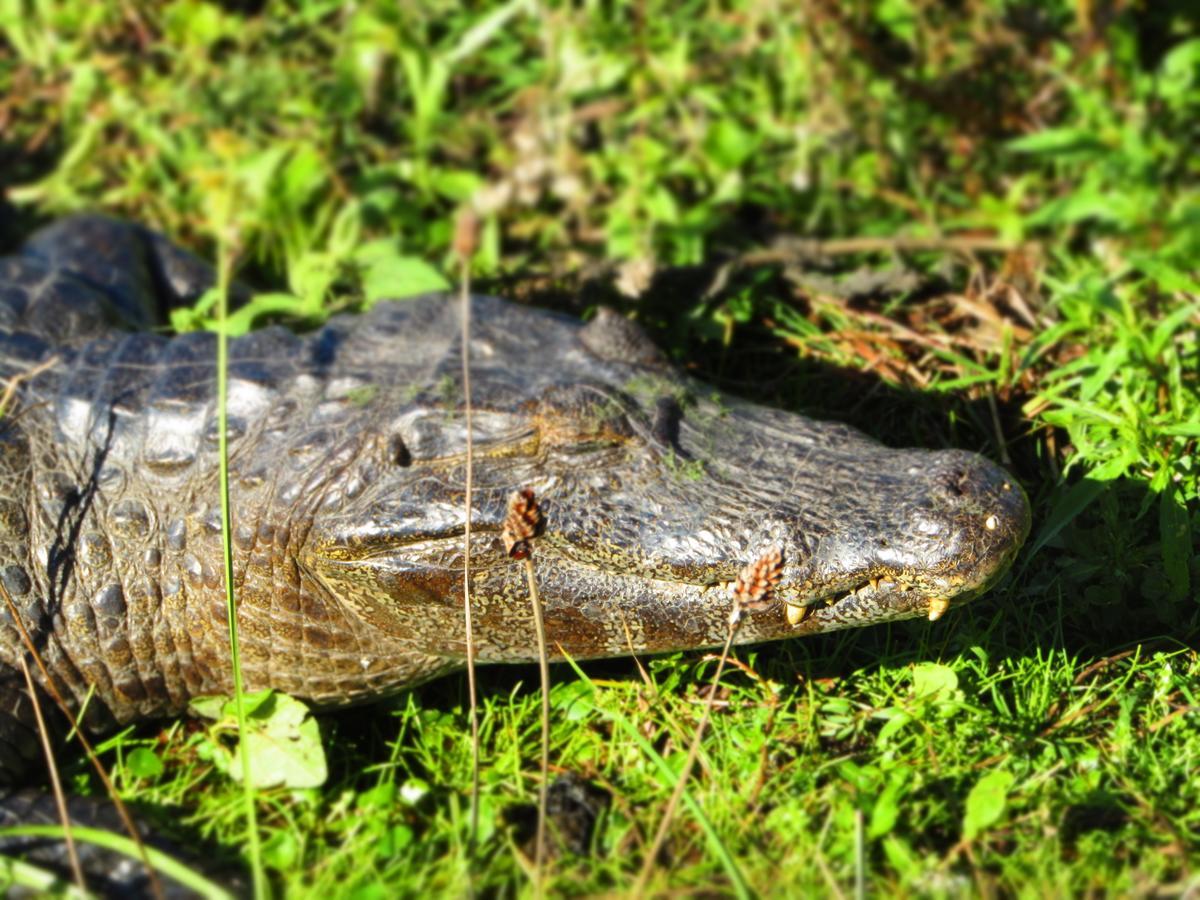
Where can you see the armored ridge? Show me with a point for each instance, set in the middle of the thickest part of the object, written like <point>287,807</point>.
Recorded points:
<point>347,453</point>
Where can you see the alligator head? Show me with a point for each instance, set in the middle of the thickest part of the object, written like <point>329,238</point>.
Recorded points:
<point>657,491</point>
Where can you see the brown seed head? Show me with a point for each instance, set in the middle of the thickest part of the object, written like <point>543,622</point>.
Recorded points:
<point>754,584</point>
<point>466,235</point>
<point>522,524</point>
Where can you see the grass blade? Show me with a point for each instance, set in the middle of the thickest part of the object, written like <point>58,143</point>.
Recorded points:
<point>55,784</point>
<point>224,267</point>
<point>667,778</point>
<point>157,859</point>
<point>465,239</point>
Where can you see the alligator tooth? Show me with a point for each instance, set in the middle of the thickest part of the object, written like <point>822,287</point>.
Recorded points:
<point>937,606</point>
<point>796,614</point>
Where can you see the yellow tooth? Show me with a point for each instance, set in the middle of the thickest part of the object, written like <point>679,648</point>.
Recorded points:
<point>795,614</point>
<point>937,606</point>
<point>874,583</point>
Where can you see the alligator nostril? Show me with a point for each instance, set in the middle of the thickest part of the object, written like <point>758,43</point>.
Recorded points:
<point>956,482</point>
<point>398,452</point>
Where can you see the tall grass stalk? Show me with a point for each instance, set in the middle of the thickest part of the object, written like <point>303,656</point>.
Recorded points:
<point>660,836</point>
<point>89,751</point>
<point>156,860</point>
<point>539,625</point>
<point>465,239</point>
<point>224,268</point>
<point>60,801</point>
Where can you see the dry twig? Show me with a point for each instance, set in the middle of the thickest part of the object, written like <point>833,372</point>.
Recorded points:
<point>752,590</point>
<point>52,690</point>
<point>55,784</point>
<point>523,523</point>
<point>465,242</point>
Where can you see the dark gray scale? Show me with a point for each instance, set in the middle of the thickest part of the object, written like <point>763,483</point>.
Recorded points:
<point>105,255</point>
<point>38,299</point>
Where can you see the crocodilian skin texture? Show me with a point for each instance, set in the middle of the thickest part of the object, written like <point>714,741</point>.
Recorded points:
<point>347,455</point>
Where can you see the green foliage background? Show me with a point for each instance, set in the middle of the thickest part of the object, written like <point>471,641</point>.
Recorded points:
<point>1019,180</point>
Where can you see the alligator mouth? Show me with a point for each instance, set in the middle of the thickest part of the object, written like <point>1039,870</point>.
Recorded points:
<point>903,594</point>
<point>885,593</point>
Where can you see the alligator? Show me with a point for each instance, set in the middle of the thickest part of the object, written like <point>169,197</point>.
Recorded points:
<point>347,457</point>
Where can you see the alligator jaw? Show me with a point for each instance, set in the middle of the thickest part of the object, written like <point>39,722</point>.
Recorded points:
<point>976,553</point>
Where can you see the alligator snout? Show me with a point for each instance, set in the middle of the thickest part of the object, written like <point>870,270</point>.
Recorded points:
<point>921,530</point>
<point>979,509</point>
<point>954,532</point>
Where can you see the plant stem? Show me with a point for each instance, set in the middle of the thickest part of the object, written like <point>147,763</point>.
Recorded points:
<point>660,836</point>
<point>465,317</point>
<point>539,625</point>
<point>224,263</point>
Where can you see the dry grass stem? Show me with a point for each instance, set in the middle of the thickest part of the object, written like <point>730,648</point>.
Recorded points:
<point>465,242</point>
<point>11,385</point>
<point>660,835</point>
<point>751,590</point>
<point>523,523</point>
<point>55,784</point>
<point>110,789</point>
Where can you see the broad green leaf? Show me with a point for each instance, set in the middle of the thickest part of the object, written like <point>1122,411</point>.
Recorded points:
<point>142,762</point>
<point>892,727</point>
<point>1179,70</point>
<point>284,746</point>
<point>1059,142</point>
<point>986,802</point>
<point>730,145</point>
<point>934,681</point>
<point>898,17</point>
<point>311,277</point>
<point>396,277</point>
<point>458,185</point>
<point>1183,429</point>
<point>487,28</point>
<point>207,707</point>
<point>282,850</point>
<point>257,703</point>
<point>1078,498</point>
<point>282,739</point>
<point>886,811</point>
<point>901,856</point>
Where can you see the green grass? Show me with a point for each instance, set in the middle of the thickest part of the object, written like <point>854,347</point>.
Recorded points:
<point>672,146</point>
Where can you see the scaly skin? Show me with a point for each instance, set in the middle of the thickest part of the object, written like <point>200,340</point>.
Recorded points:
<point>347,456</point>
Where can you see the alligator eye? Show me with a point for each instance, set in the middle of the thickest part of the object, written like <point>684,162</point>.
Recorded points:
<point>667,416</point>
<point>397,452</point>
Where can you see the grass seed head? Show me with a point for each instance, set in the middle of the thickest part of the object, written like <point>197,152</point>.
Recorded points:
<point>523,523</point>
<point>755,582</point>
<point>466,235</point>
